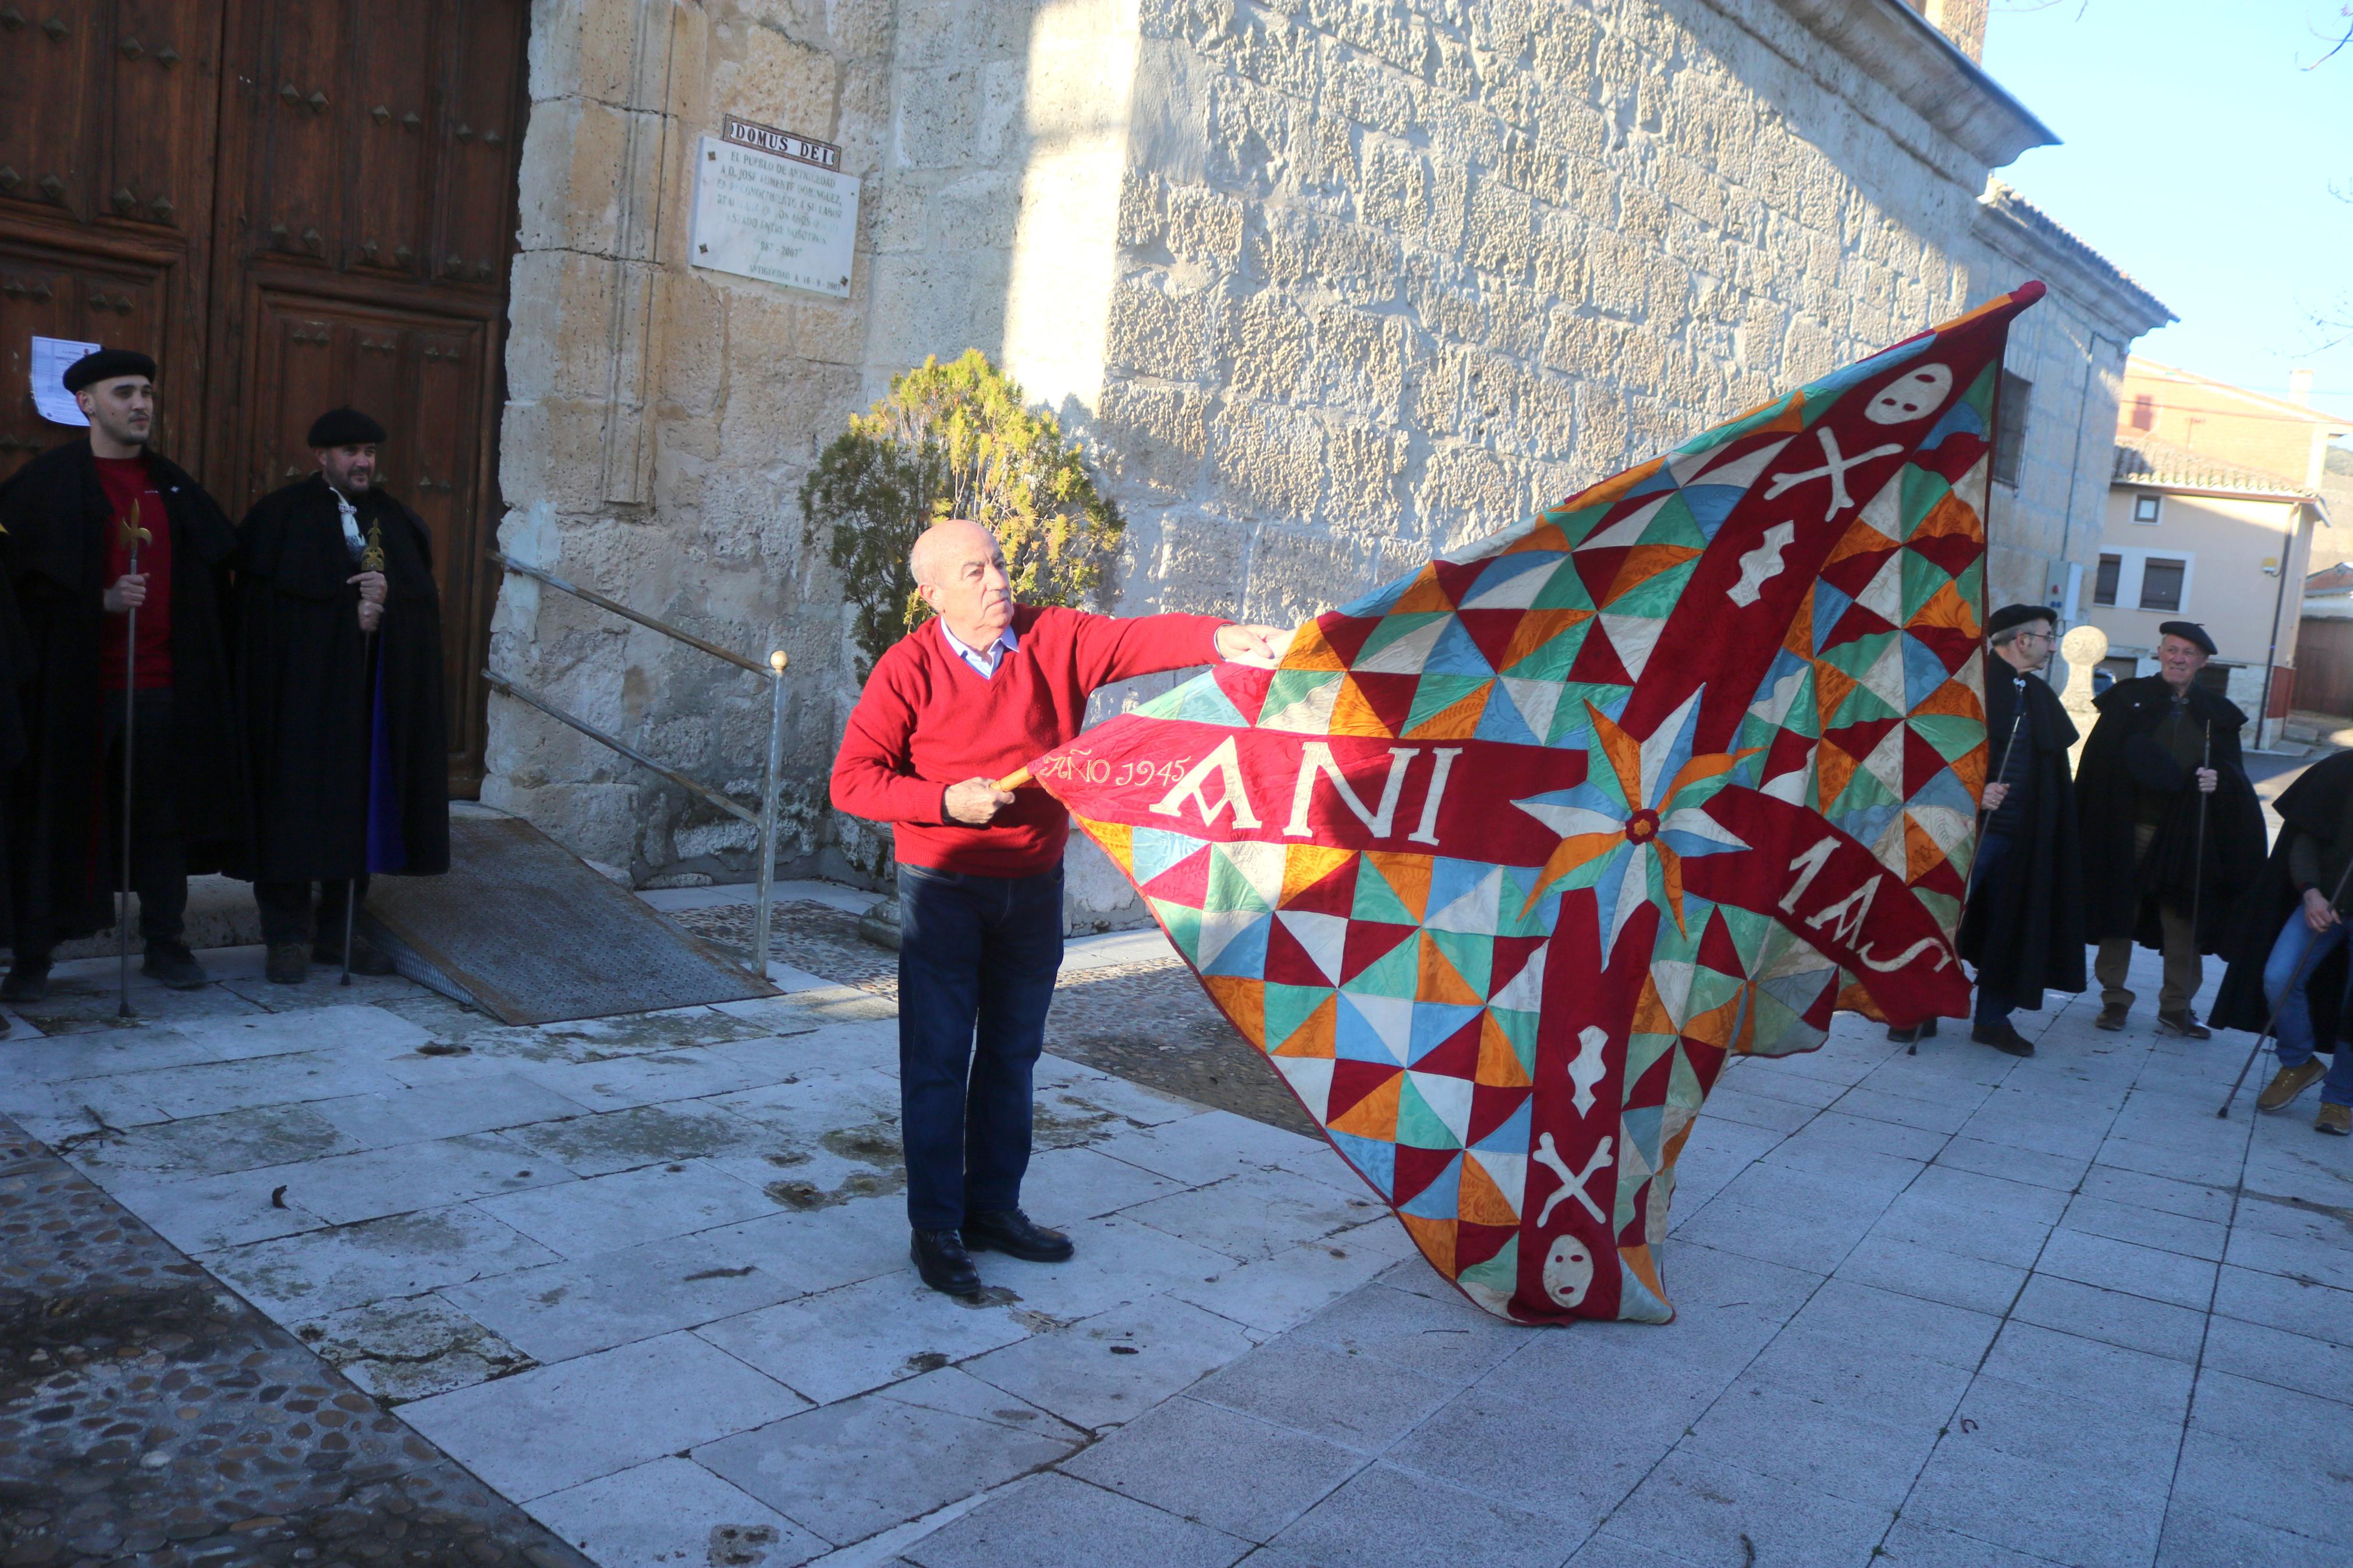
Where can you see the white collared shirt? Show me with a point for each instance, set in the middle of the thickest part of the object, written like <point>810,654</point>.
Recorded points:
<point>984,664</point>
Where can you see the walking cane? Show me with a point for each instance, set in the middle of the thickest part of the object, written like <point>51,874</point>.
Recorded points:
<point>2293,980</point>
<point>1970,887</point>
<point>2198,865</point>
<point>371,560</point>
<point>132,537</point>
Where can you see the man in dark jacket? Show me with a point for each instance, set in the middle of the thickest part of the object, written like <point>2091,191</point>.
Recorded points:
<point>2162,779</point>
<point>338,664</point>
<point>2288,959</point>
<point>2023,928</point>
<point>68,562</point>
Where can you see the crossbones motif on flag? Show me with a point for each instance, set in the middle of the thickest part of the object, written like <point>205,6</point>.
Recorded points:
<point>1507,858</point>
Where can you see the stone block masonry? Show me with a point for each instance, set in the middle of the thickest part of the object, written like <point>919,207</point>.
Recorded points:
<point>1330,285</point>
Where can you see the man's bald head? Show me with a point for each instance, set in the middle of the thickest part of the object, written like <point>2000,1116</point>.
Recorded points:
<point>959,571</point>
<point>945,545</point>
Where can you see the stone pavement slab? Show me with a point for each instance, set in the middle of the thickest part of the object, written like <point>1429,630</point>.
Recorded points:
<point>1975,1312</point>
<point>1935,1308</point>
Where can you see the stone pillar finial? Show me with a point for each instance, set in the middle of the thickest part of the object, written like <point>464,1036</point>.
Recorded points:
<point>2083,649</point>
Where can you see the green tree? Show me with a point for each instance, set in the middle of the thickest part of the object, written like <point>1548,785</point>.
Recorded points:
<point>955,441</point>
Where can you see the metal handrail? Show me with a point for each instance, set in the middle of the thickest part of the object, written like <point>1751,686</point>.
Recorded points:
<point>765,819</point>
<point>507,688</point>
<point>602,603</point>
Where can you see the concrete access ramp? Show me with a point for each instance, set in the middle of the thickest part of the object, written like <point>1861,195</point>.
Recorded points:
<point>531,934</point>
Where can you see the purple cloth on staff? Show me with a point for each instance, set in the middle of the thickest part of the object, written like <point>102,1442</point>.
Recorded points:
<point>385,850</point>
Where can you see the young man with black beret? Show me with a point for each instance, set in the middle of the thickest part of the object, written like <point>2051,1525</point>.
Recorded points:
<point>338,664</point>
<point>2161,781</point>
<point>67,515</point>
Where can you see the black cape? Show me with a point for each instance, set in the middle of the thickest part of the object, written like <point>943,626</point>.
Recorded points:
<point>304,674</point>
<point>2024,926</point>
<point>62,869</point>
<point>2122,757</point>
<point>2315,803</point>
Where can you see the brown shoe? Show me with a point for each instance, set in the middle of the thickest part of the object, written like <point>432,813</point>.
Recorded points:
<point>2112,1017</point>
<point>2289,1083</point>
<point>2185,1024</point>
<point>287,964</point>
<point>2337,1119</point>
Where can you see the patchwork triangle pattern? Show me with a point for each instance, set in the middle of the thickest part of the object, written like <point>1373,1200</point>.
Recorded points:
<point>1510,856</point>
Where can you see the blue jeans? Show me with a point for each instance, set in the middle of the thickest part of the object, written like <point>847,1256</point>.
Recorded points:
<point>978,960</point>
<point>2297,1045</point>
<point>1994,1006</point>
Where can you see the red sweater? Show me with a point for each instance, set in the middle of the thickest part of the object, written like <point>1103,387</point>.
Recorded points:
<point>928,720</point>
<point>126,480</point>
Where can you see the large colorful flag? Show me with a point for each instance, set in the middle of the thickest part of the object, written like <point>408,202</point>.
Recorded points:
<point>1505,858</point>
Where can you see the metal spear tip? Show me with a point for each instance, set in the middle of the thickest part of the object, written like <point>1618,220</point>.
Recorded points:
<point>776,661</point>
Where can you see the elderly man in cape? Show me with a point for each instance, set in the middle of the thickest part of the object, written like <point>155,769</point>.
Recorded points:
<point>84,692</point>
<point>2172,831</point>
<point>951,708</point>
<point>2023,929</point>
<point>339,663</point>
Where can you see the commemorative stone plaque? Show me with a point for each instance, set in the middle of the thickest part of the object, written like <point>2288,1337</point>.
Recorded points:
<point>775,207</point>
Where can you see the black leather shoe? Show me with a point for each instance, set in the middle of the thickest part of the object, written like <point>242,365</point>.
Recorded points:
<point>29,981</point>
<point>171,963</point>
<point>1016,1235</point>
<point>2185,1024</point>
<point>2003,1037</point>
<point>946,1265</point>
<point>286,964</point>
<point>366,960</point>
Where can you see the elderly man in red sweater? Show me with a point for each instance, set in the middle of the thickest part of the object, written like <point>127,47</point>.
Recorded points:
<point>955,705</point>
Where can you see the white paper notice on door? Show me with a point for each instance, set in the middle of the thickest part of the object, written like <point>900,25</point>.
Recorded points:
<point>51,359</point>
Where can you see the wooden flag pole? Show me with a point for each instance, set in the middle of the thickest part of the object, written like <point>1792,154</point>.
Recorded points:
<point>1015,779</point>
<point>133,536</point>
<point>371,560</point>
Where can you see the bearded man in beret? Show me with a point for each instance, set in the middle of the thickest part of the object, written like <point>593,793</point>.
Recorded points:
<point>338,664</point>
<point>2163,756</point>
<point>82,689</point>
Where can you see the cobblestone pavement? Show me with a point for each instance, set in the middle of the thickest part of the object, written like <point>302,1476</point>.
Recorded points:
<point>149,1416</point>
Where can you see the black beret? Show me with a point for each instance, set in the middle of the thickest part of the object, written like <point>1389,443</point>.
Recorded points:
<point>2010,615</point>
<point>2190,631</point>
<point>344,427</point>
<point>105,365</point>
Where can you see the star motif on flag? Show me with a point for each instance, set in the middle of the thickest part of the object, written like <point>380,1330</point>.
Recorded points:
<point>1624,832</point>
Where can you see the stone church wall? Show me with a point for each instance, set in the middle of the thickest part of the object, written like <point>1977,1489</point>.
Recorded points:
<point>1330,285</point>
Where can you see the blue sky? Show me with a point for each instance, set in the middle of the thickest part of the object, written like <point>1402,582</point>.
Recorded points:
<point>2196,155</point>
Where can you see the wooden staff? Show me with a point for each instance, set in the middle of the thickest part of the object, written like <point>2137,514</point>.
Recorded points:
<point>132,537</point>
<point>1015,779</point>
<point>2000,777</point>
<point>2198,865</point>
<point>371,560</point>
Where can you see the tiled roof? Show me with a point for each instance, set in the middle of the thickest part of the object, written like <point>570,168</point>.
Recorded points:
<point>2142,459</point>
<point>2004,198</point>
